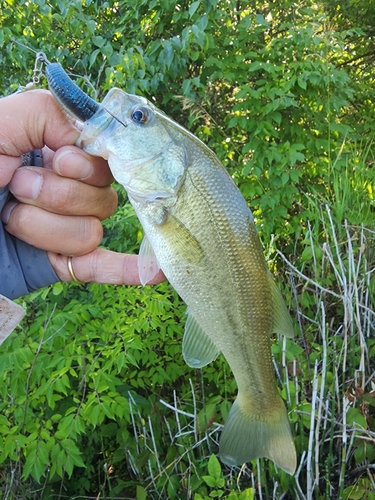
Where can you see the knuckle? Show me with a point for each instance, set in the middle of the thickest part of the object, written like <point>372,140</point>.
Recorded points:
<point>90,233</point>
<point>65,197</point>
<point>21,217</point>
<point>111,201</point>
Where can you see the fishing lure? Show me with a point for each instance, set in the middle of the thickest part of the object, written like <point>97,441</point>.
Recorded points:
<point>68,94</point>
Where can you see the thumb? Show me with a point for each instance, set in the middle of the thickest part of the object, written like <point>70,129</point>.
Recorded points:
<point>29,121</point>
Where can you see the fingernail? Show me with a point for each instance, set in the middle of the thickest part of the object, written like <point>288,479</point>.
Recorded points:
<point>73,165</point>
<point>26,183</point>
<point>7,210</point>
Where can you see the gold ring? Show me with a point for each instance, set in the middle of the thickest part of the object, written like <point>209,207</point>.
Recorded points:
<point>70,268</point>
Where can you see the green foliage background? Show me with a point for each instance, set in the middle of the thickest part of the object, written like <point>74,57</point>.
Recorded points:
<point>283,92</point>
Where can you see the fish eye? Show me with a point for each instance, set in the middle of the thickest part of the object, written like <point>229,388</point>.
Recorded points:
<point>140,115</point>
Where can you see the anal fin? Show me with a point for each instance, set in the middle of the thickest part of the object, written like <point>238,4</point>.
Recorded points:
<point>282,322</point>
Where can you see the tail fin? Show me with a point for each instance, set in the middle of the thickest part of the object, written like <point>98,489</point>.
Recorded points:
<point>246,436</point>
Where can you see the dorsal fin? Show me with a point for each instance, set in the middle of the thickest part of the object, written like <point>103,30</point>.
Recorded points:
<point>282,322</point>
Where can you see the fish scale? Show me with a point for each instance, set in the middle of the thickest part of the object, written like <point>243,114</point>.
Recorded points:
<point>200,232</point>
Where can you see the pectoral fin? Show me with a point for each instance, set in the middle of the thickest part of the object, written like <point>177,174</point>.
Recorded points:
<point>183,241</point>
<point>147,263</point>
<point>282,322</point>
<point>197,347</point>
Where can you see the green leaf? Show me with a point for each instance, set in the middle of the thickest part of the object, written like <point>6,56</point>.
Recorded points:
<point>210,481</point>
<point>247,494</point>
<point>302,82</point>
<point>57,288</point>
<point>354,493</point>
<point>109,429</point>
<point>60,462</point>
<point>202,22</point>
<point>205,417</point>
<point>99,41</point>
<point>284,178</point>
<point>141,493</point>
<point>232,496</point>
<point>43,453</point>
<point>93,56</point>
<point>173,487</point>
<point>108,411</point>
<point>29,463</point>
<point>214,467</point>
<point>193,7</point>
<point>261,20</point>
<point>307,254</point>
<point>276,117</point>
<point>107,50</point>
<point>186,86</point>
<point>216,494</point>
<point>355,417</point>
<point>69,466</point>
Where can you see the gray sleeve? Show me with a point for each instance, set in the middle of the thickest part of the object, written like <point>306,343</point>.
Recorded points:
<point>23,268</point>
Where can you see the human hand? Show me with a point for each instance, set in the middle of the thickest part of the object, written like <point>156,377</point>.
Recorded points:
<point>58,208</point>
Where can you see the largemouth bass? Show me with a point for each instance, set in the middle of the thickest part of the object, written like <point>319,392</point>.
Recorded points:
<point>200,231</point>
